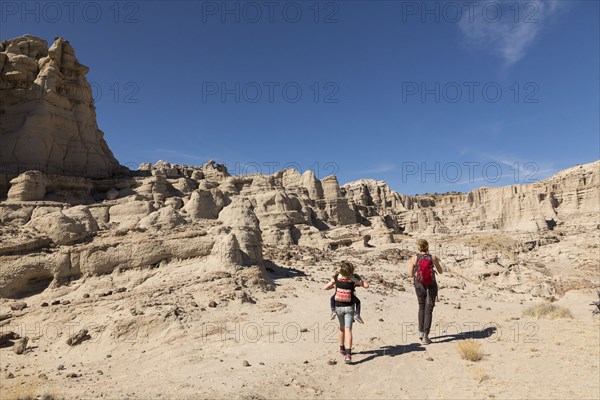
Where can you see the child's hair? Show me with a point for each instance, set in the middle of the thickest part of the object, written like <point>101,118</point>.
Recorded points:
<point>423,245</point>
<point>346,268</point>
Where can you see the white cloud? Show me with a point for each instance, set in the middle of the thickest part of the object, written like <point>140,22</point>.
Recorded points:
<point>510,33</point>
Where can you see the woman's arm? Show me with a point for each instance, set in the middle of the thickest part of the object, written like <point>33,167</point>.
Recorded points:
<point>329,285</point>
<point>438,265</point>
<point>411,267</point>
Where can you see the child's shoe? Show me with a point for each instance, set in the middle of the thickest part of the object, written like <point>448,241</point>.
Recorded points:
<point>348,359</point>
<point>359,319</point>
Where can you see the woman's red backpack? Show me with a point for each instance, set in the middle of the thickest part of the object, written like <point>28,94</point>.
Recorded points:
<point>424,269</point>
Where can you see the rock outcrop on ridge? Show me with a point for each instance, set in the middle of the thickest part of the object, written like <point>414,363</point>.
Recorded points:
<point>568,199</point>
<point>174,211</point>
<point>48,114</point>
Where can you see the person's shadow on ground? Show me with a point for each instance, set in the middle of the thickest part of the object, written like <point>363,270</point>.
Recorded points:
<point>480,334</point>
<point>390,351</point>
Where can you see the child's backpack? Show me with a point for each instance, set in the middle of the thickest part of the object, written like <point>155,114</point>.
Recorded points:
<point>343,289</point>
<point>424,273</point>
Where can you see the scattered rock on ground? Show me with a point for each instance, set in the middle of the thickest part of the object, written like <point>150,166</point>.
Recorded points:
<point>79,337</point>
<point>18,306</point>
<point>20,345</point>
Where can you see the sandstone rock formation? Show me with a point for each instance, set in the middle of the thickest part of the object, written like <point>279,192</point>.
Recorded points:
<point>29,186</point>
<point>239,220</point>
<point>205,204</point>
<point>70,226</point>
<point>239,215</point>
<point>48,114</point>
<point>162,220</point>
<point>568,198</point>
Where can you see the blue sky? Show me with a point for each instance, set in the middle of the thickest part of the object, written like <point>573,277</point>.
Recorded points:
<point>428,96</point>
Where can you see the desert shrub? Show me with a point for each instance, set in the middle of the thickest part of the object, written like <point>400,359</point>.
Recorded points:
<point>547,310</point>
<point>470,350</point>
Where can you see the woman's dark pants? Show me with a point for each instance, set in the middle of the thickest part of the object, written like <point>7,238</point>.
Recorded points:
<point>426,296</point>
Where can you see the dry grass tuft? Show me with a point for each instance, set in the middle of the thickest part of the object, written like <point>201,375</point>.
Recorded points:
<point>547,310</point>
<point>470,350</point>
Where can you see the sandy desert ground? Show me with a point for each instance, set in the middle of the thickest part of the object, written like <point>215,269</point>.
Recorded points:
<point>177,346</point>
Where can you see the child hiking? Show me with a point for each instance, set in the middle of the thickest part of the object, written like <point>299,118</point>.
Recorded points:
<point>345,301</point>
<point>423,267</point>
<point>354,278</point>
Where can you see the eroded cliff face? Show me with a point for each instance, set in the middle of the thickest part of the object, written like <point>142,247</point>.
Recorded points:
<point>48,113</point>
<point>56,227</point>
<point>568,199</point>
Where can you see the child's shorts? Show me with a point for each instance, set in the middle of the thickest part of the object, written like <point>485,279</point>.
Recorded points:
<point>345,316</point>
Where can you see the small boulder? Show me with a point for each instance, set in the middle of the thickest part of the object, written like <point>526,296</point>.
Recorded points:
<point>5,337</point>
<point>20,345</point>
<point>18,306</point>
<point>5,316</point>
<point>79,337</point>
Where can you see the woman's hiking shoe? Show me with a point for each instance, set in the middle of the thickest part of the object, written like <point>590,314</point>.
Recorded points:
<point>425,340</point>
<point>343,353</point>
<point>357,318</point>
<point>333,315</point>
<point>347,359</point>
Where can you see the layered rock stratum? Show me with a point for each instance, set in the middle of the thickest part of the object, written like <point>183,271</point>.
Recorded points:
<point>58,228</point>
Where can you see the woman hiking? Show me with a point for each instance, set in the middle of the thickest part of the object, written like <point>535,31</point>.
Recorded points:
<point>345,283</point>
<point>422,268</point>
